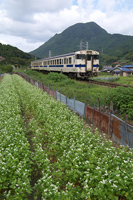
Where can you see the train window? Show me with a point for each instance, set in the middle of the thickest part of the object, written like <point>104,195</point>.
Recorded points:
<point>96,57</point>
<point>70,60</point>
<point>60,61</point>
<point>65,60</point>
<point>80,56</point>
<point>55,62</point>
<point>88,57</point>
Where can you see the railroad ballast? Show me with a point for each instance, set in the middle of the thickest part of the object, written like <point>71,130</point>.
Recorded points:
<point>80,64</point>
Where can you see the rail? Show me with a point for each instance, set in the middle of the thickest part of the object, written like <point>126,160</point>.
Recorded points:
<point>110,84</point>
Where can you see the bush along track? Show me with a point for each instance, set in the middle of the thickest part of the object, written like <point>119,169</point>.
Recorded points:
<point>72,162</point>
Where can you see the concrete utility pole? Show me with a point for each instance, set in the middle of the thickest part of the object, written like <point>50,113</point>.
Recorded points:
<point>49,53</point>
<point>86,45</point>
<point>81,45</point>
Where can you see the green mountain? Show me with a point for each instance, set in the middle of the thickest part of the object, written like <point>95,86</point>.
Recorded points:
<point>15,56</point>
<point>112,45</point>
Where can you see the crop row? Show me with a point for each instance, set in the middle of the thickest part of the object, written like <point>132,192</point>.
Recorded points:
<point>15,167</point>
<point>73,163</point>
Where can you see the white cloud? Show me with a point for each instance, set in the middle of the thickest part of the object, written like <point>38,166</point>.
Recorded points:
<point>24,10</point>
<point>29,23</point>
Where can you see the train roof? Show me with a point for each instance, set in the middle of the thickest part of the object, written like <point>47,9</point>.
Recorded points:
<point>69,54</point>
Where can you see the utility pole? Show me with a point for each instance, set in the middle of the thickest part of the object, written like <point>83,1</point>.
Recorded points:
<point>81,45</point>
<point>86,45</point>
<point>49,53</point>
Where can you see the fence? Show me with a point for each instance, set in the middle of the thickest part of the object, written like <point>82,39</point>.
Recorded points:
<point>120,131</point>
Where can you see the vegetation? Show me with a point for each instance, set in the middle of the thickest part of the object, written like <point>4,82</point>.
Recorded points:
<point>122,99</point>
<point>6,68</point>
<point>107,78</point>
<point>66,159</point>
<point>15,166</point>
<point>121,79</point>
<point>15,56</point>
<point>89,92</point>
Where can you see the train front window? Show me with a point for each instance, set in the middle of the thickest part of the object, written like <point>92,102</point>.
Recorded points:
<point>80,56</point>
<point>88,57</point>
<point>96,57</point>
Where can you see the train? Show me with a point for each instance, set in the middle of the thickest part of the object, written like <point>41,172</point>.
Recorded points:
<point>79,64</point>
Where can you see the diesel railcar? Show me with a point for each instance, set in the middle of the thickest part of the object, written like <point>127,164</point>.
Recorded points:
<point>80,64</point>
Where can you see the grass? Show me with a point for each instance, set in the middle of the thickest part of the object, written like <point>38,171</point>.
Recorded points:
<point>82,91</point>
<point>88,93</point>
<point>121,80</point>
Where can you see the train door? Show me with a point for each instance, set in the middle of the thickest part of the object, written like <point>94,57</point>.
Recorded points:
<point>89,63</point>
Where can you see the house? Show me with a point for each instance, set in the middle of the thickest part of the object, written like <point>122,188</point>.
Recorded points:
<point>1,58</point>
<point>128,66</point>
<point>107,68</point>
<point>122,71</point>
<point>127,70</point>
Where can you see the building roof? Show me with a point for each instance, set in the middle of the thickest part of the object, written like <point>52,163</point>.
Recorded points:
<point>126,69</point>
<point>127,66</point>
<point>107,69</point>
<point>123,69</point>
<point>1,58</point>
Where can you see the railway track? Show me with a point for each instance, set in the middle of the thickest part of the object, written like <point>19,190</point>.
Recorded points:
<point>109,84</point>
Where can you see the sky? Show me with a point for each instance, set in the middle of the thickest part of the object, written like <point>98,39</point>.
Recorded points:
<point>27,24</point>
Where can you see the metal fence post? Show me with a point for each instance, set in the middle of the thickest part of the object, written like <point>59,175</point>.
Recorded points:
<point>48,88</point>
<point>84,115</point>
<point>74,101</point>
<point>66,99</point>
<point>126,126</point>
<point>52,90</point>
<point>60,95</point>
<point>109,125</point>
<point>93,114</point>
<point>99,104</point>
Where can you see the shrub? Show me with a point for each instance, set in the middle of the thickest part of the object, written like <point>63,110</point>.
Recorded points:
<point>56,77</point>
<point>6,68</point>
<point>122,99</point>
